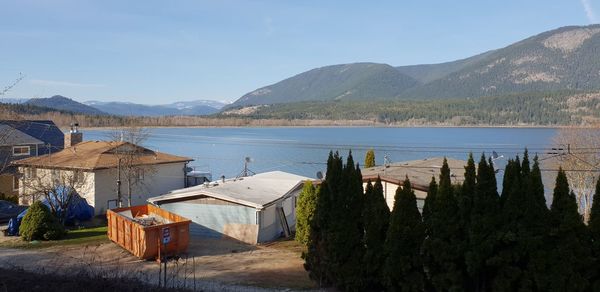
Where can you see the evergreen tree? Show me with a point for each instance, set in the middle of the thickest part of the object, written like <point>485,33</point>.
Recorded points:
<point>464,198</point>
<point>335,254</point>
<point>305,210</point>
<point>442,246</point>
<point>403,270</point>
<point>429,204</point>
<point>594,228</point>
<point>370,158</point>
<point>376,216</point>
<point>508,259</point>
<point>570,259</point>
<point>317,259</point>
<point>483,228</point>
<point>534,237</point>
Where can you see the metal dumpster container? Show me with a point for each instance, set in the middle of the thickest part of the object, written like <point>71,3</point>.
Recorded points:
<point>144,229</point>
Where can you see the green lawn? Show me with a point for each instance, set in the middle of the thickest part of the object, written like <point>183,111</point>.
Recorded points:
<point>92,235</point>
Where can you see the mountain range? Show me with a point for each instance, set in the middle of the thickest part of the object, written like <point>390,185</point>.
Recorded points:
<point>58,102</point>
<point>566,58</point>
<point>189,108</point>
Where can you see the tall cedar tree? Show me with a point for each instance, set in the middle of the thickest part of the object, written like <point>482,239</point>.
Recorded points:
<point>570,259</point>
<point>509,260</point>
<point>428,206</point>
<point>370,158</point>
<point>334,256</point>
<point>317,259</point>
<point>376,216</point>
<point>483,228</point>
<point>536,227</point>
<point>403,270</point>
<point>305,210</point>
<point>442,246</point>
<point>464,198</point>
<point>594,227</point>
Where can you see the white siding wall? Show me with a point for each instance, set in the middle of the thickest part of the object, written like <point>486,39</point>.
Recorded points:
<point>161,179</point>
<point>44,177</point>
<point>389,191</point>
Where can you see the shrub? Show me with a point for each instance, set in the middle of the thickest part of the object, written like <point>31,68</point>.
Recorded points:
<point>40,224</point>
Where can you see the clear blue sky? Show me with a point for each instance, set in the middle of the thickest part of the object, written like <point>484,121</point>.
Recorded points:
<point>162,51</point>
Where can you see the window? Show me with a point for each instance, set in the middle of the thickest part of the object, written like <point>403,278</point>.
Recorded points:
<point>77,177</point>
<point>15,183</point>
<point>139,174</point>
<point>20,150</point>
<point>31,172</point>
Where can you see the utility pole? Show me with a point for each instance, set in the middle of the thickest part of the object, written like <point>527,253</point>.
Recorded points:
<point>119,183</point>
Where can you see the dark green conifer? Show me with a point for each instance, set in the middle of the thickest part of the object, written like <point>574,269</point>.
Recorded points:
<point>403,270</point>
<point>429,203</point>
<point>570,260</point>
<point>442,246</point>
<point>376,216</point>
<point>594,228</point>
<point>483,228</point>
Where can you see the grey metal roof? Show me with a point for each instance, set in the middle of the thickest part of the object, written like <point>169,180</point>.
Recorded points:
<point>10,136</point>
<point>418,171</point>
<point>255,191</point>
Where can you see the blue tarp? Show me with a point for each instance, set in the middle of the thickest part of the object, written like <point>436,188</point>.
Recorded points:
<point>79,210</point>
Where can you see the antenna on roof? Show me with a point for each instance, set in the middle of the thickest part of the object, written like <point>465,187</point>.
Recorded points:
<point>246,170</point>
<point>386,161</point>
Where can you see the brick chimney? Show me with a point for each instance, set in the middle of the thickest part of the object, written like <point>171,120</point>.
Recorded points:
<point>74,137</point>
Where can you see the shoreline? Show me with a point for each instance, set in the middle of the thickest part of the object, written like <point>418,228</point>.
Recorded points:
<point>340,126</point>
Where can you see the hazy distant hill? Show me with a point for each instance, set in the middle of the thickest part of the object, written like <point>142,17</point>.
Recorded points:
<point>64,103</point>
<point>339,82</point>
<point>567,58</point>
<point>198,107</point>
<point>13,100</point>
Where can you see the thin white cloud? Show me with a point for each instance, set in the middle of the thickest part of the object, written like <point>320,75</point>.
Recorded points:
<point>44,82</point>
<point>589,11</point>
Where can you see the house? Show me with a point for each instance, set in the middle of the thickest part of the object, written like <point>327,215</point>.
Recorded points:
<point>253,209</point>
<point>419,173</point>
<point>23,139</point>
<point>94,169</point>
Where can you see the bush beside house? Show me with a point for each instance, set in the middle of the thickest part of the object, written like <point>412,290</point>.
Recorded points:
<point>40,224</point>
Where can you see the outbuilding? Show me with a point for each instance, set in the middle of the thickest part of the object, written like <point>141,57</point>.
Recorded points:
<point>254,209</point>
<point>419,172</point>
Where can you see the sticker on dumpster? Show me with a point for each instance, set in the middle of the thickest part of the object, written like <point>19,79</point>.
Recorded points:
<point>166,236</point>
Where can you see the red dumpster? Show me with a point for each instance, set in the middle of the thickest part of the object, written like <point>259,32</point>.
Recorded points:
<point>143,229</point>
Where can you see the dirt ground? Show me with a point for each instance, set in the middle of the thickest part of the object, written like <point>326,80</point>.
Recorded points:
<point>211,264</point>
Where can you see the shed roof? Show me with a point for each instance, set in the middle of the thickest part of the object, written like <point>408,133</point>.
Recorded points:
<point>92,155</point>
<point>256,191</point>
<point>12,137</point>
<point>418,171</point>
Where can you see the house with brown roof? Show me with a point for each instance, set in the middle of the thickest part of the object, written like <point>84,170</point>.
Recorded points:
<point>93,168</point>
<point>418,171</point>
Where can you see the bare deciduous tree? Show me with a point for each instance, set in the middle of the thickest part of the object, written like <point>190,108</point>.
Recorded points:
<point>130,168</point>
<point>59,187</point>
<point>579,154</point>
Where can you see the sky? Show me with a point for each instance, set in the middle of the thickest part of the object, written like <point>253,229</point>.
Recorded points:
<point>157,52</point>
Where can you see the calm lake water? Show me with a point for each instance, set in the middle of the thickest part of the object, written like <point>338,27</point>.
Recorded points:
<point>304,151</point>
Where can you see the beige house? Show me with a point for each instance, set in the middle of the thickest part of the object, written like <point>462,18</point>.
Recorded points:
<point>93,168</point>
<point>419,173</point>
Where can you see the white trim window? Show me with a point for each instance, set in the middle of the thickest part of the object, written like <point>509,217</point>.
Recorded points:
<point>21,150</point>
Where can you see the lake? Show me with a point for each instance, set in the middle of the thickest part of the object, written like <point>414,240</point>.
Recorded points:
<point>304,151</point>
